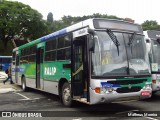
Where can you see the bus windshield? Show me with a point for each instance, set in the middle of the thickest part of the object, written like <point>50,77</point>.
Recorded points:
<point>156,55</point>
<point>131,60</point>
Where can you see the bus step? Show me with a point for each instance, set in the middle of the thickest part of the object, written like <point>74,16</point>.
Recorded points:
<point>83,100</point>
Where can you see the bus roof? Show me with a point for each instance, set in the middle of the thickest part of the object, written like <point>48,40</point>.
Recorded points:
<point>85,23</point>
<point>5,56</point>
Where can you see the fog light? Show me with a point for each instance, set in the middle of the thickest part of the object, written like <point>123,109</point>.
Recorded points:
<point>110,89</point>
<point>148,86</point>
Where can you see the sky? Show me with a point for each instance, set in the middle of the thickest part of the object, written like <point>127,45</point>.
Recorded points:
<point>138,10</point>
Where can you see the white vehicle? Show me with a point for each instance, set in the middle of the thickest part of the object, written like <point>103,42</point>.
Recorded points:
<point>153,48</point>
<point>3,75</point>
<point>94,61</point>
<point>4,64</point>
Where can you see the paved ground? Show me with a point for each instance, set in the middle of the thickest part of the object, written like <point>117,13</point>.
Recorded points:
<point>13,99</point>
<point>8,87</point>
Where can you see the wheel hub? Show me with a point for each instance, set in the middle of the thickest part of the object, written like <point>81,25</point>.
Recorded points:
<point>66,94</point>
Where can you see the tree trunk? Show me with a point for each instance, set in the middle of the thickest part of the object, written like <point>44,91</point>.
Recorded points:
<point>5,42</point>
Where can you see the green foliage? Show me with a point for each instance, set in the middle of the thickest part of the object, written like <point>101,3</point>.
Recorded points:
<point>17,19</point>
<point>150,25</point>
<point>20,20</point>
<point>6,52</point>
<point>69,20</point>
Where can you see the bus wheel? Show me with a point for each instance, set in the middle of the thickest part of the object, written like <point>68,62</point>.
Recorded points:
<point>66,95</point>
<point>24,88</point>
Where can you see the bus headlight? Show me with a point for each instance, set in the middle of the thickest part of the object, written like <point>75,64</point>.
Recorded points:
<point>147,86</point>
<point>104,90</point>
<point>107,90</point>
<point>110,90</point>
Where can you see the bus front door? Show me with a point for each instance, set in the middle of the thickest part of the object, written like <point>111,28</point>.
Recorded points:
<point>39,65</point>
<point>78,73</point>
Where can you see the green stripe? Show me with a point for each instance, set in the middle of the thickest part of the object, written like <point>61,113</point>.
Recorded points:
<point>29,44</point>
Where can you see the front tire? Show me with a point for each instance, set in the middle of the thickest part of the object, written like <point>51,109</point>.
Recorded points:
<point>66,95</point>
<point>24,88</point>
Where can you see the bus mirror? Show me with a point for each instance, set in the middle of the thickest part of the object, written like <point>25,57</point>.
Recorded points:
<point>91,43</point>
<point>147,41</point>
<point>158,40</point>
<point>90,31</point>
<point>91,40</point>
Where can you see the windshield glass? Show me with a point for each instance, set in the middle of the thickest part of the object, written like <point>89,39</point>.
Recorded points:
<point>156,56</point>
<point>131,59</point>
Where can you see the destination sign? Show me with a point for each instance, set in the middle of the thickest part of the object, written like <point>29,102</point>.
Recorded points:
<point>117,25</point>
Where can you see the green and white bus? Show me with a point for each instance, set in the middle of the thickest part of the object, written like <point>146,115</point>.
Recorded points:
<point>153,48</point>
<point>94,61</point>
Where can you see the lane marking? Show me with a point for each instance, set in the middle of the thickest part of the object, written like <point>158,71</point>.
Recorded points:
<point>29,99</point>
<point>26,98</point>
<point>77,119</point>
<point>6,90</point>
<point>151,118</point>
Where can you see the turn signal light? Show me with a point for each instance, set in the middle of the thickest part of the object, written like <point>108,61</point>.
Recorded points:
<point>154,81</point>
<point>97,90</point>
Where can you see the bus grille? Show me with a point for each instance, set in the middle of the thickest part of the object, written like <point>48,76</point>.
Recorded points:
<point>126,82</point>
<point>128,90</point>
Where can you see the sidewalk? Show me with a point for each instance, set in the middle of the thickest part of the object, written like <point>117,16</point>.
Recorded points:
<point>7,87</point>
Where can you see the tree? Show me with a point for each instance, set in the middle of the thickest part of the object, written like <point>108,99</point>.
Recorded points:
<point>50,22</point>
<point>150,25</point>
<point>69,20</point>
<point>50,17</point>
<point>17,19</point>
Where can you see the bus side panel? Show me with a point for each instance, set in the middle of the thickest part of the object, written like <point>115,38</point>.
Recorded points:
<point>53,72</point>
<point>51,86</point>
<point>29,71</point>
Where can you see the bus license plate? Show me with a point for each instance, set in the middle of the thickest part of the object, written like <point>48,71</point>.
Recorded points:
<point>145,93</point>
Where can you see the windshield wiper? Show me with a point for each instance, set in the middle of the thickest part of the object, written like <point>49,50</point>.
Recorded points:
<point>114,39</point>
<point>131,39</point>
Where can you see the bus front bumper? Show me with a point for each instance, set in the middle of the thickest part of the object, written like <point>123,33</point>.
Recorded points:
<point>156,85</point>
<point>98,98</point>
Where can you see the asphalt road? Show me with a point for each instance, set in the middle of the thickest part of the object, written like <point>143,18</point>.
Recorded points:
<point>14,100</point>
